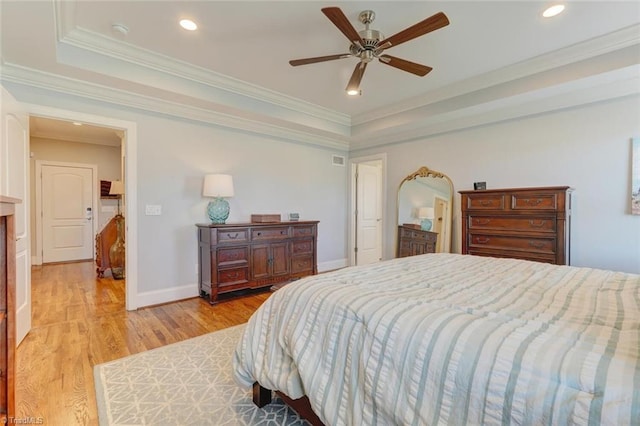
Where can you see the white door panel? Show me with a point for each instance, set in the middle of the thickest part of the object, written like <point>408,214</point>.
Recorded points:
<point>369,217</point>
<point>67,197</point>
<point>14,180</point>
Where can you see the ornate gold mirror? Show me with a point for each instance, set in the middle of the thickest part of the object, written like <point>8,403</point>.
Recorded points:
<point>425,211</point>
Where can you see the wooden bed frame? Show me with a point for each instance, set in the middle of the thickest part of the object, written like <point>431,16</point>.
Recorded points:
<point>302,406</point>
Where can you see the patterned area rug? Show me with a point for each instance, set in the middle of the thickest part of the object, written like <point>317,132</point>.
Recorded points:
<point>185,383</point>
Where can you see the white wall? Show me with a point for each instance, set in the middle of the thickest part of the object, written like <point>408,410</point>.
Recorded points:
<point>270,176</point>
<point>587,148</point>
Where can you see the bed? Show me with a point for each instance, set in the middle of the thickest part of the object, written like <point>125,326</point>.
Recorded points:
<point>452,339</point>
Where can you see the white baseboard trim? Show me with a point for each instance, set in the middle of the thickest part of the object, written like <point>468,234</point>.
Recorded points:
<point>35,261</point>
<point>174,294</point>
<point>333,264</point>
<point>167,295</point>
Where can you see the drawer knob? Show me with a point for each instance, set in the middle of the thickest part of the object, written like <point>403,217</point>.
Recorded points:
<point>533,202</point>
<point>482,221</point>
<point>536,244</point>
<point>486,202</point>
<point>233,237</point>
<point>482,240</point>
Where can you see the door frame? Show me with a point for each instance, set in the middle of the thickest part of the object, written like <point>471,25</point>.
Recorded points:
<point>353,165</point>
<point>38,210</point>
<point>130,159</point>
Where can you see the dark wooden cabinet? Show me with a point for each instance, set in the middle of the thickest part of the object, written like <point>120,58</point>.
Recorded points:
<point>240,256</point>
<point>413,241</point>
<point>7,308</point>
<point>523,223</point>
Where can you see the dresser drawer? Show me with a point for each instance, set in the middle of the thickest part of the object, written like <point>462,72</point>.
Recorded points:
<point>302,247</point>
<point>233,255</point>
<point>280,232</point>
<point>417,235</point>
<point>301,264</point>
<point>234,235</point>
<point>485,201</point>
<point>513,223</point>
<point>534,201</point>
<point>512,242</point>
<point>233,276</point>
<point>303,231</point>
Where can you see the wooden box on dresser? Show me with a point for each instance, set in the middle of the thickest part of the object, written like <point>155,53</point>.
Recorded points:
<point>241,256</point>
<point>7,308</point>
<point>412,241</point>
<point>523,223</point>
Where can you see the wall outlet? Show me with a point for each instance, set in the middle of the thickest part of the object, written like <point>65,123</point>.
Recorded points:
<point>153,210</point>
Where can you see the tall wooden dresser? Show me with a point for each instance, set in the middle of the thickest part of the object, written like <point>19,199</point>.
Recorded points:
<point>413,241</point>
<point>240,256</point>
<point>7,308</point>
<point>523,223</point>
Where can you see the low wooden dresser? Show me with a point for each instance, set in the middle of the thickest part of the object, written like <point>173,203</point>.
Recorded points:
<point>413,241</point>
<point>241,256</point>
<point>524,223</point>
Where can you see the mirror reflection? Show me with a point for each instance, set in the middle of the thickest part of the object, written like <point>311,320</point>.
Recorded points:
<point>425,202</point>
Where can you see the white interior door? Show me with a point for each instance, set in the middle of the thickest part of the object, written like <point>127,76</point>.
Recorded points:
<point>369,213</point>
<point>441,210</point>
<point>14,162</point>
<point>67,213</point>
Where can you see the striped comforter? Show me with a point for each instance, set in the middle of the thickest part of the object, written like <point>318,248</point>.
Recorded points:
<point>452,339</point>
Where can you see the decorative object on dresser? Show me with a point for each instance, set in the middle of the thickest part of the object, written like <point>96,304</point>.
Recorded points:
<point>7,308</point>
<point>522,223</point>
<point>412,240</point>
<point>427,188</point>
<point>218,186</point>
<point>117,191</point>
<point>265,218</point>
<point>426,215</point>
<point>242,256</point>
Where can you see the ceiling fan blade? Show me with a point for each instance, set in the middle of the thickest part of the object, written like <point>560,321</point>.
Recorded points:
<point>339,19</point>
<point>356,77</point>
<point>305,61</point>
<point>405,65</point>
<point>432,23</point>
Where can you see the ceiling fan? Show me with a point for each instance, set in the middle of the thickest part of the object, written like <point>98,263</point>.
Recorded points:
<point>369,44</point>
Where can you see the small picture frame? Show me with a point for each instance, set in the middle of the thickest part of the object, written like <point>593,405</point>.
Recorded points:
<point>294,217</point>
<point>479,185</point>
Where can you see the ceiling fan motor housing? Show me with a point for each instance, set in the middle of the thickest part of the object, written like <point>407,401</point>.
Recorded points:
<point>371,39</point>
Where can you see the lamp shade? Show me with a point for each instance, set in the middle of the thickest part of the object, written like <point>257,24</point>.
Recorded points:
<point>117,188</point>
<point>425,213</point>
<point>218,186</point>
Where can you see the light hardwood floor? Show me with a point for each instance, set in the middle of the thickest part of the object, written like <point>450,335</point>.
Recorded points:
<point>79,321</point>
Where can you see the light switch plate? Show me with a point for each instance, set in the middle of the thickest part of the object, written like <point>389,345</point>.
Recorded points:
<point>153,210</point>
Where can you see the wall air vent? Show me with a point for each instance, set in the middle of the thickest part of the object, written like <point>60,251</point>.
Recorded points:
<point>337,160</point>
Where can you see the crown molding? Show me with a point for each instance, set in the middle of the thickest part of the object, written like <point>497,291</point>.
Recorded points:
<point>617,40</point>
<point>67,32</point>
<point>95,43</point>
<point>27,76</point>
<point>602,87</point>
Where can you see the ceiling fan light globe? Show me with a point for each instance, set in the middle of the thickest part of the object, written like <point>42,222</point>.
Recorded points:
<point>353,92</point>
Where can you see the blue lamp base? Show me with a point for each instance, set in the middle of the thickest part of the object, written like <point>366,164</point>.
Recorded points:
<point>218,210</point>
<point>426,224</point>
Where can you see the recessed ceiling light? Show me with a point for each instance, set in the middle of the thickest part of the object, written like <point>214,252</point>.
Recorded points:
<point>353,92</point>
<point>553,10</point>
<point>188,24</point>
<point>77,123</point>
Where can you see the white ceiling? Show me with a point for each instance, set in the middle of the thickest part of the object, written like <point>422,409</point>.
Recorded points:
<point>242,48</point>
